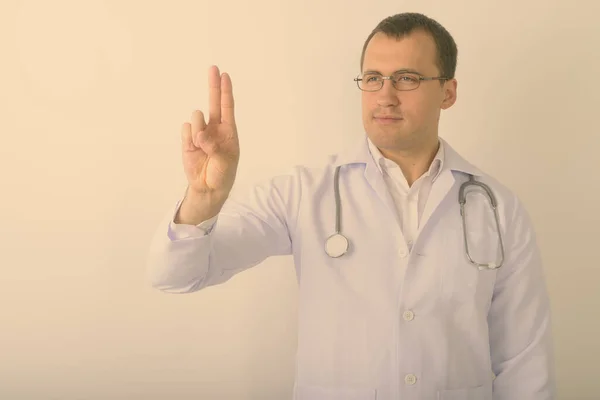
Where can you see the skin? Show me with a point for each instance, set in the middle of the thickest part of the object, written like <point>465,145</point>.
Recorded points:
<point>409,136</point>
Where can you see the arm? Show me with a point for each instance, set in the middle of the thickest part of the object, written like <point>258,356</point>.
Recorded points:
<point>186,258</point>
<point>520,319</point>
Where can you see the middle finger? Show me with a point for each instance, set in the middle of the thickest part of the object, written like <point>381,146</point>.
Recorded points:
<point>214,95</point>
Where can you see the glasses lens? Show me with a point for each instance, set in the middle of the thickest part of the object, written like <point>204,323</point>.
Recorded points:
<point>406,81</point>
<point>370,82</point>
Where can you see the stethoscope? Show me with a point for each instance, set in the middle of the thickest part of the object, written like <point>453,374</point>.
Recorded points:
<point>337,244</point>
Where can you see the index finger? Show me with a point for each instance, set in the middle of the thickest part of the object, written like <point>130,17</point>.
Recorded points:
<point>214,95</point>
<point>227,104</point>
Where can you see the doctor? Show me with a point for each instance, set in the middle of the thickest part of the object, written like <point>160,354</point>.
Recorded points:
<point>402,312</point>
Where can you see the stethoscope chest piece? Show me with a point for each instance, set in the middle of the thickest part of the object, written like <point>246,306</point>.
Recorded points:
<point>336,245</point>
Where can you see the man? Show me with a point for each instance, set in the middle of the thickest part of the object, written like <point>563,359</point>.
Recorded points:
<point>401,311</point>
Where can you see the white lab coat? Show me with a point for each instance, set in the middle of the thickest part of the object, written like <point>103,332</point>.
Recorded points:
<point>386,321</point>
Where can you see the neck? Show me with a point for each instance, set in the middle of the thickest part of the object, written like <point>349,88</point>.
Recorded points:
<point>413,162</point>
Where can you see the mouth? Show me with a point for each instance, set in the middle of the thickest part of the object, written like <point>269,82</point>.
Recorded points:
<point>386,119</point>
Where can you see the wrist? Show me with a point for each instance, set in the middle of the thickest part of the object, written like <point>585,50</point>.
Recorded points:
<point>198,207</point>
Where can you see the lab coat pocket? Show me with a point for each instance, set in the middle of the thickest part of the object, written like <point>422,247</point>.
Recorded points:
<point>483,392</point>
<point>304,392</point>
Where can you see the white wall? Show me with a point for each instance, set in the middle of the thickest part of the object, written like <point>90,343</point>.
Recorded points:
<point>92,95</point>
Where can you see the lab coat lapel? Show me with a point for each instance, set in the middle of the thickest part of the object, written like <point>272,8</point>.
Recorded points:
<point>359,154</point>
<point>439,191</point>
<point>375,180</point>
<point>453,162</point>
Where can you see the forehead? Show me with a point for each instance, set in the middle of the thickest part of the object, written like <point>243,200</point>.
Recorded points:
<point>387,54</point>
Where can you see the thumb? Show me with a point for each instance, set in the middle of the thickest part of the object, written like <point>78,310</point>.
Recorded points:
<point>204,141</point>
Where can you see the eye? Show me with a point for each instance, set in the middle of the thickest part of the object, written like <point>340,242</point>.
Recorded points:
<point>406,78</point>
<point>371,78</point>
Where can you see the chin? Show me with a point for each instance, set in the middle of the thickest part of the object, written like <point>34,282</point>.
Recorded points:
<point>388,138</point>
<point>391,131</point>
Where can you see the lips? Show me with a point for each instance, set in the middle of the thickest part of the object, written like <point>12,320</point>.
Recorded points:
<point>386,119</point>
<point>391,117</point>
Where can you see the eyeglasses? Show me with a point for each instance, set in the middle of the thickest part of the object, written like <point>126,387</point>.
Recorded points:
<point>372,82</point>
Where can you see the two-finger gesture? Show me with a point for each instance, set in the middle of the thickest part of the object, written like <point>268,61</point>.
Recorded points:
<point>211,151</point>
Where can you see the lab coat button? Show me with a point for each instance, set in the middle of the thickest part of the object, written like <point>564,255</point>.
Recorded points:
<point>408,315</point>
<point>402,253</point>
<point>410,379</point>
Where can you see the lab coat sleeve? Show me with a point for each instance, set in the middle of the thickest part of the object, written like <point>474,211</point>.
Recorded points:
<point>248,229</point>
<point>182,231</point>
<point>520,319</point>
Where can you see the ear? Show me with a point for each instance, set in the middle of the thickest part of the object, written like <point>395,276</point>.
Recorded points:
<point>449,91</point>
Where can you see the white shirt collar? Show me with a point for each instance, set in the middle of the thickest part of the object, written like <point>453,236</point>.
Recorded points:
<point>385,164</point>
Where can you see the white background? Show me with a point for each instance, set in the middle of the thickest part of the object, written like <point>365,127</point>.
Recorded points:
<point>92,97</point>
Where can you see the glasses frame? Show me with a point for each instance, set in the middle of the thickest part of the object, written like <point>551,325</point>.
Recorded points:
<point>358,79</point>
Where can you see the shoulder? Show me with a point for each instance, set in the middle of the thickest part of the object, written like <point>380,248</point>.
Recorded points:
<point>292,180</point>
<point>505,196</point>
<point>308,174</point>
<point>512,211</point>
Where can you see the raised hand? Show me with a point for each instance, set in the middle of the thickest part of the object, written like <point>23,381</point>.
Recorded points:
<point>211,151</point>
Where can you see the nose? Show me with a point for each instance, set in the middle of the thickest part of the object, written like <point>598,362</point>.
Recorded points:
<point>387,96</point>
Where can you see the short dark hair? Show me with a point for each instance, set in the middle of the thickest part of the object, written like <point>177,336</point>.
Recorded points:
<point>400,25</point>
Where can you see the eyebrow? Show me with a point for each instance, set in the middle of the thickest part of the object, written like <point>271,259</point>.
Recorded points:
<point>414,71</point>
